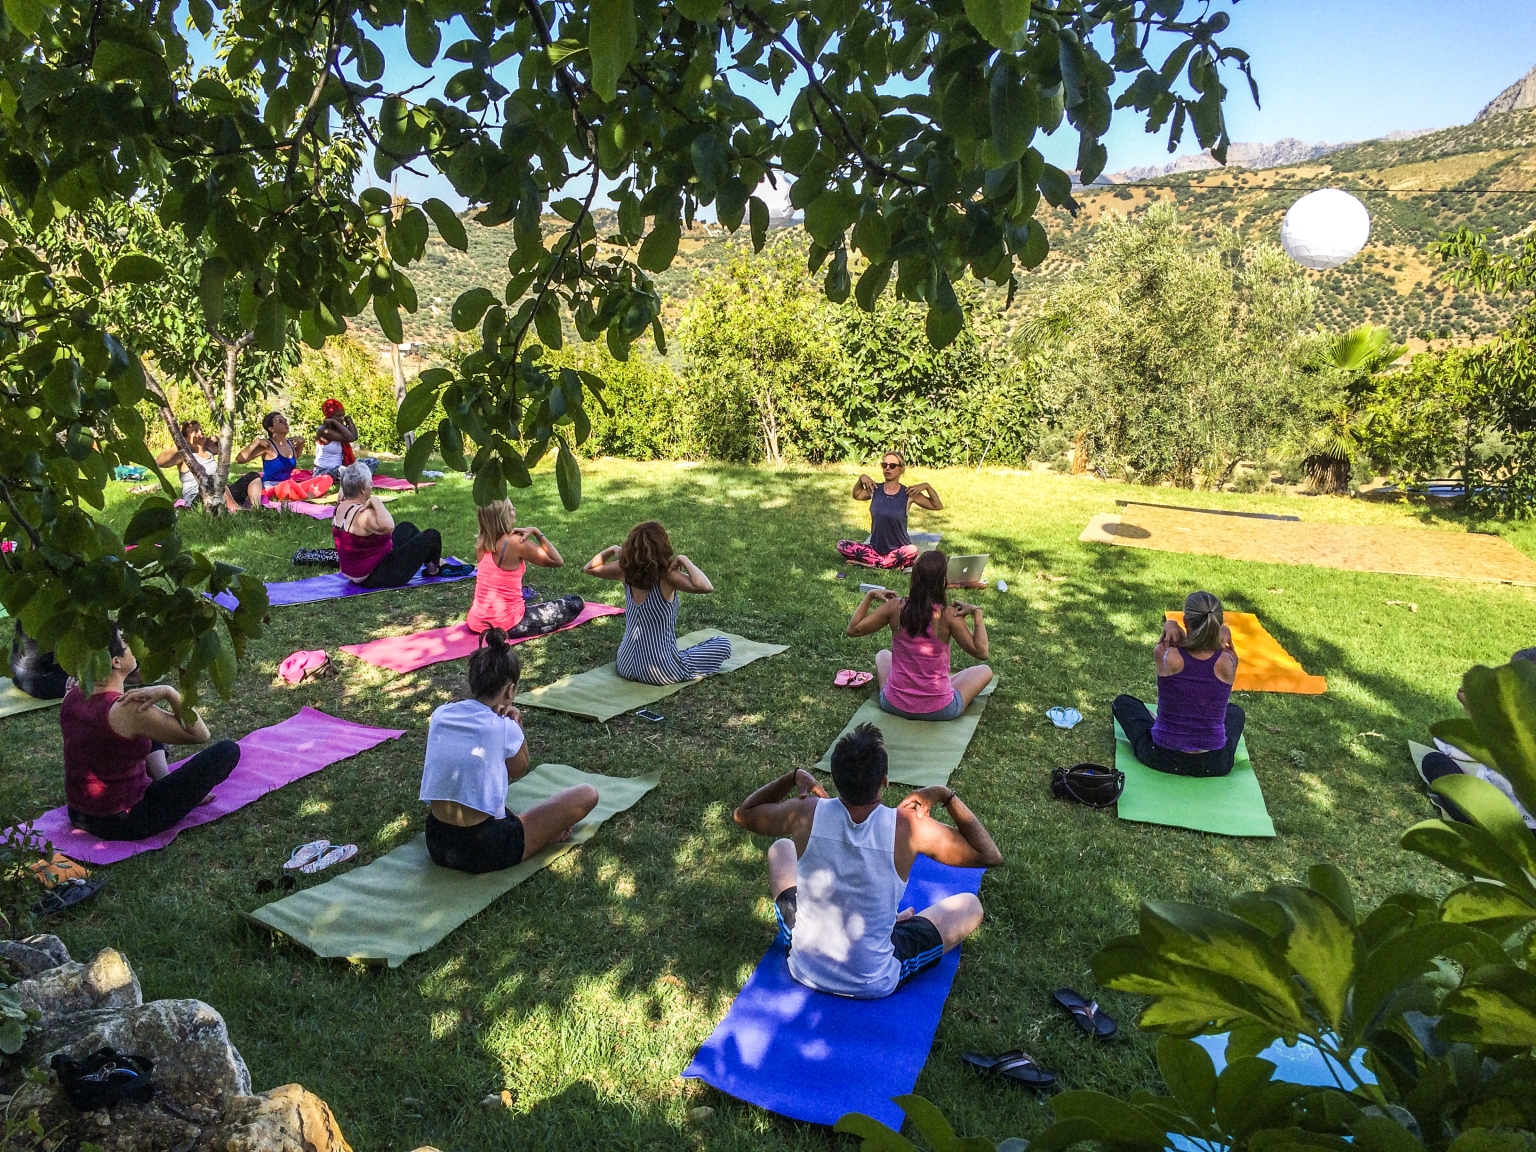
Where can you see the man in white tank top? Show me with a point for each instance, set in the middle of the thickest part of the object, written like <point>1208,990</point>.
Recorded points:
<point>839,871</point>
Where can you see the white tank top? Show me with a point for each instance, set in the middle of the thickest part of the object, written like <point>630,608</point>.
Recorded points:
<point>328,455</point>
<point>846,904</point>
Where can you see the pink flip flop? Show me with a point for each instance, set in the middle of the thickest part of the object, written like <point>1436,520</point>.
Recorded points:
<point>848,678</point>
<point>299,665</point>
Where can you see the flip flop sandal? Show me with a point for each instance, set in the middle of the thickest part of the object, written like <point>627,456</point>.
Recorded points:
<point>335,854</point>
<point>1020,1067</point>
<point>67,895</point>
<point>1089,1016</point>
<point>1064,717</point>
<point>849,678</point>
<point>305,854</point>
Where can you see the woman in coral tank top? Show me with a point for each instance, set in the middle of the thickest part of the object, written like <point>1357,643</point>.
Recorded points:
<point>503,552</point>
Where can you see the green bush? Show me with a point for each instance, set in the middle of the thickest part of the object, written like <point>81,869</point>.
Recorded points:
<point>352,372</point>
<point>644,414</point>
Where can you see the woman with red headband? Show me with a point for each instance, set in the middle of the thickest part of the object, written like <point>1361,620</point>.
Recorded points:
<point>334,440</point>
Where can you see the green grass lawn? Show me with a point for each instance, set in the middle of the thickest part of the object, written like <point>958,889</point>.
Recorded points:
<point>585,990</point>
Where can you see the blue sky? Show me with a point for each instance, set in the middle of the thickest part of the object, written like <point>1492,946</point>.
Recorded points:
<point>1330,70</point>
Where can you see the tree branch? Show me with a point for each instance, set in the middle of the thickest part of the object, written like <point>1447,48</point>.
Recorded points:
<point>32,533</point>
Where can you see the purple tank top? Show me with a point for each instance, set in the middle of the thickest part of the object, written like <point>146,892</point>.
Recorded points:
<point>1192,707</point>
<point>888,520</point>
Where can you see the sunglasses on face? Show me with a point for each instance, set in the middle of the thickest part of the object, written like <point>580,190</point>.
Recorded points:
<point>889,464</point>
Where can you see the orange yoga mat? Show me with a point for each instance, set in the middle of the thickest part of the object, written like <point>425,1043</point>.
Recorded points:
<point>1262,665</point>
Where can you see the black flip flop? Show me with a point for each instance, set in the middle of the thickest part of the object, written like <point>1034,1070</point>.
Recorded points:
<point>1089,1016</point>
<point>1017,1066</point>
<point>67,895</point>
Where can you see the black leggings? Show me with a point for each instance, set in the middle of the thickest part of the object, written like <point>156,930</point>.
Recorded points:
<point>1136,720</point>
<point>547,616</point>
<point>169,799</point>
<point>413,547</point>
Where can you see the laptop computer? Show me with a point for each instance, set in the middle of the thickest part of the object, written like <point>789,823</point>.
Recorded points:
<point>968,569</point>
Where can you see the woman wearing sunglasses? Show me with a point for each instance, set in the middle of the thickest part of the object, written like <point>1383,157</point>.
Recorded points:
<point>889,545</point>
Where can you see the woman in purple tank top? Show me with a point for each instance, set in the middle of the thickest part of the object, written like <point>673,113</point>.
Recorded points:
<point>1197,727</point>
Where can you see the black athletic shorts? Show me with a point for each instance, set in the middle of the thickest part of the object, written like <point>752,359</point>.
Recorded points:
<point>917,942</point>
<point>488,846</point>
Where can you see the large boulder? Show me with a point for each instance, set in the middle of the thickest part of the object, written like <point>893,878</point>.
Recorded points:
<point>106,982</point>
<point>34,954</point>
<point>286,1119</point>
<point>187,1040</point>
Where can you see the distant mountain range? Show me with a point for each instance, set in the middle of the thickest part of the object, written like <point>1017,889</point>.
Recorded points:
<point>1280,154</point>
<point>1520,94</point>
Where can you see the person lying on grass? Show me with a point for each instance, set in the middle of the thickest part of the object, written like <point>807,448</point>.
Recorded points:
<point>840,869</point>
<point>1197,727</point>
<point>475,748</point>
<point>503,552</point>
<point>913,674</point>
<point>116,782</point>
<point>653,575</point>
<point>889,545</point>
<point>374,551</point>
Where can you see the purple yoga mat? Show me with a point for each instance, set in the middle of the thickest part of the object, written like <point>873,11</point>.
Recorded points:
<point>331,586</point>
<point>269,758</point>
<point>815,1057</point>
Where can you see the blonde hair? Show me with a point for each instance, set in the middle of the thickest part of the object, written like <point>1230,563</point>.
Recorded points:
<point>1203,621</point>
<point>496,520</point>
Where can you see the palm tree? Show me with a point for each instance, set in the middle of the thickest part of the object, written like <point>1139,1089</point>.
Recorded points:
<point>1357,357</point>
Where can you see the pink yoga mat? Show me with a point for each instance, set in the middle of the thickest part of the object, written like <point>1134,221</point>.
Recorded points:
<point>408,653</point>
<point>302,507</point>
<point>396,484</point>
<point>269,758</point>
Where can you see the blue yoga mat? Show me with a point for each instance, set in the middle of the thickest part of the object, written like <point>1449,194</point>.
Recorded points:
<point>815,1057</point>
<point>331,586</point>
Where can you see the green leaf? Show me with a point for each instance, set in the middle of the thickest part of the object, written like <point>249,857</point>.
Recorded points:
<point>210,288</point>
<point>1320,946</point>
<point>945,316</point>
<point>1191,1077</point>
<point>1331,882</point>
<point>568,477</point>
<point>758,220</point>
<point>28,16</point>
<point>1014,106</point>
<point>612,36</point>
<point>872,234</point>
<point>416,407</point>
<point>1466,848</point>
<point>660,246</point>
<point>699,11</point>
<point>223,670</point>
<point>872,282</point>
<point>827,217</point>
<point>875,1136</point>
<point>1496,1005</point>
<point>1501,702</point>
<point>1000,21</point>
<point>1036,248</point>
<point>449,226</point>
<point>470,306</point>
<point>450,442</point>
<point>1499,910</point>
<point>370,61</point>
<point>417,455</point>
<point>490,485</point>
<point>1122,1123</point>
<point>154,518</point>
<point>271,323</point>
<point>422,35</point>
<point>1491,810</point>
<point>1068,1131</point>
<point>631,218</point>
<point>136,268</point>
<point>1056,187</point>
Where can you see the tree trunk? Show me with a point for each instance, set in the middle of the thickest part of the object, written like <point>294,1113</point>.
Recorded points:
<point>399,369</point>
<point>769,417</point>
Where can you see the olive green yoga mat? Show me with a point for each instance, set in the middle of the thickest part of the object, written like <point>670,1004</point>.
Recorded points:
<point>14,701</point>
<point>402,903</point>
<point>601,694</point>
<point>1231,805</point>
<point>920,752</point>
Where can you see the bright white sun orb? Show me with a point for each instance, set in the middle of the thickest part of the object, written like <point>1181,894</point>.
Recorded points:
<point>1325,229</point>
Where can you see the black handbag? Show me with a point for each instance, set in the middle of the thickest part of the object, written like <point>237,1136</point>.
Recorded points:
<point>104,1078</point>
<point>1090,784</point>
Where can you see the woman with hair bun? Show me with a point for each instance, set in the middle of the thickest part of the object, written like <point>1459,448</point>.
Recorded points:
<point>374,551</point>
<point>1197,726</point>
<point>653,575</point>
<point>913,674</point>
<point>475,748</point>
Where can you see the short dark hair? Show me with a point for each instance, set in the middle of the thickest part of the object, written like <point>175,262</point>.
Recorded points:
<point>494,665</point>
<point>859,764</point>
<point>116,644</point>
<point>1524,654</point>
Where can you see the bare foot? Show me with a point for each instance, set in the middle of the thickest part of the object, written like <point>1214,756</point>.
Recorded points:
<point>208,799</point>
<point>564,836</point>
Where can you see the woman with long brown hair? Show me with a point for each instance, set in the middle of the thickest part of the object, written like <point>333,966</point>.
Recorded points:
<point>653,575</point>
<point>1197,727</point>
<point>913,673</point>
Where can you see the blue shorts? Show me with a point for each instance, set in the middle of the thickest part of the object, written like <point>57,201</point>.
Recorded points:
<point>916,941</point>
<point>950,711</point>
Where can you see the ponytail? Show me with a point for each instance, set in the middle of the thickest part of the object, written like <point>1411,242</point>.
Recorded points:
<point>493,666</point>
<point>928,589</point>
<point>1203,620</point>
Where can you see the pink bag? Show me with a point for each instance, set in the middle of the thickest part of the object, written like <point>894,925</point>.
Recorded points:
<point>301,664</point>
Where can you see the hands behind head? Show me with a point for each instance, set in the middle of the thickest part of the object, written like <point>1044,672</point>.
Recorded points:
<point>148,697</point>
<point>509,710</point>
<point>808,785</point>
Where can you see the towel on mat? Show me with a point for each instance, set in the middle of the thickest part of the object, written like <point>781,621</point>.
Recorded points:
<point>333,586</point>
<point>1230,805</point>
<point>813,1056</point>
<point>920,752</point>
<point>14,701</point>
<point>402,903</point>
<point>408,653</point>
<point>1262,664</point>
<point>269,758</point>
<point>395,484</point>
<point>601,694</point>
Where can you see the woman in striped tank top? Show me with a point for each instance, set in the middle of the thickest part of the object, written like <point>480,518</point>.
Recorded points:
<point>653,575</point>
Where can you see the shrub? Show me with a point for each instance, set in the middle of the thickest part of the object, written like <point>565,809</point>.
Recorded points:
<point>644,413</point>
<point>352,372</point>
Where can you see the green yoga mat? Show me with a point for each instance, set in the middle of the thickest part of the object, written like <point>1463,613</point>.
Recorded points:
<point>402,903</point>
<point>14,701</point>
<point>920,752</point>
<point>1231,805</point>
<point>600,693</point>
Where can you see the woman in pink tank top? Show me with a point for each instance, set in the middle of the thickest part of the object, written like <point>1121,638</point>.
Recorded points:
<point>913,674</point>
<point>503,552</point>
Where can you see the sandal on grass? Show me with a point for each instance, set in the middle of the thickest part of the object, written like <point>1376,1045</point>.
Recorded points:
<point>305,854</point>
<point>1018,1066</point>
<point>1089,1016</point>
<point>849,678</point>
<point>66,895</point>
<point>335,854</point>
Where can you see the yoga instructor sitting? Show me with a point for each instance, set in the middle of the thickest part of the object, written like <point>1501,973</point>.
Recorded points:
<point>374,551</point>
<point>913,674</point>
<point>475,748</point>
<point>502,554</point>
<point>1197,728</point>
<point>653,576</point>
<point>889,545</point>
<point>116,781</point>
<point>844,926</point>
